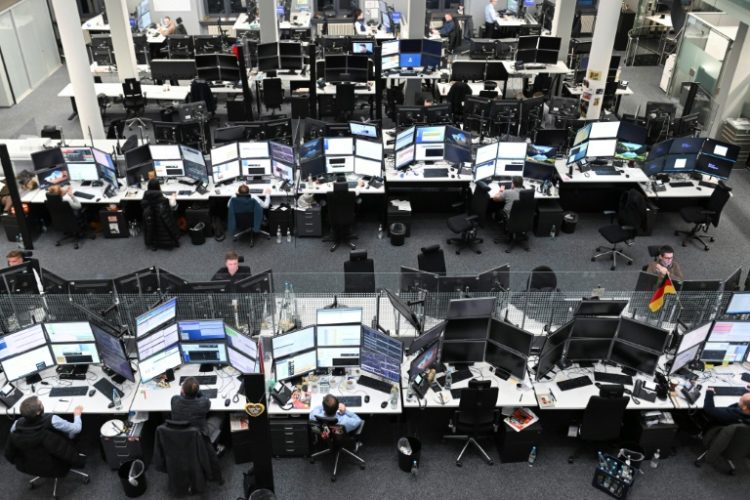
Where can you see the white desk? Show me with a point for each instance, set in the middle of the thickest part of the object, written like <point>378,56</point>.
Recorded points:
<point>718,376</point>
<point>577,90</point>
<point>419,76</point>
<point>670,192</point>
<point>552,69</point>
<point>327,187</point>
<point>330,89</point>
<point>476,88</point>
<point>662,19</point>
<point>416,174</point>
<point>97,69</point>
<point>628,175</point>
<point>152,92</point>
<point>96,24</point>
<point>242,24</point>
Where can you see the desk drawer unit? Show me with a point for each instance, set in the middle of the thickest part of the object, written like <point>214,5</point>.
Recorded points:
<point>308,223</point>
<point>290,438</point>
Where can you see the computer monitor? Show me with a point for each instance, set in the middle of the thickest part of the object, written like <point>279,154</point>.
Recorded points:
<point>686,145</point>
<point>154,318</point>
<point>79,353</point>
<point>546,56</point>
<point>258,283</point>
<point>739,304</point>
<point>410,60</point>
<point>47,158</point>
<point>634,357</point>
<point>158,341</point>
<point>677,163</point>
<point>78,155</point>
<point>240,362</point>
<point>372,150</point>
<point>462,352</point>
<point>92,287</point>
<point>505,361</point>
<point>194,164</point>
<point>732,283</point>
<point>20,278</point>
<point>405,157</point>
<point>439,113</point>
<point>241,342</point>
<point>630,132</point>
<point>494,280</point>
<point>338,335</point>
<point>474,329</point>
<point>486,153</point>
<point>380,355</point>
<point>331,357</point>
<point>138,282</point>
<point>582,135</point>
<point>711,166</point>
<point>594,327</point>
<point>363,130</point>
<point>404,310</point>
<point>282,152</point>
<point>541,154</point>
<point>578,153</point>
<point>207,44</point>
<point>601,148</point>
<point>53,176</point>
<point>720,149</point>
<point>511,150</point>
<point>471,308</point>
<point>587,349</point>
<point>600,307</point>
<point>604,130</point>
<point>69,331</point>
<point>13,344</point>
<point>293,342</point>
<point>630,151</point>
<point>424,360</point>
<point>527,42</point>
<point>159,363</point>
<point>467,70</point>
<point>415,280</point>
<point>223,154</point>
<point>510,337</point>
<point>555,340</point>
<point>526,56</point>
<point>204,353</point>
<point>230,134</point>
<point>683,358</point>
<point>367,168</point>
<point>642,334</point>
<point>28,363</point>
<point>404,138</point>
<point>427,338</point>
<point>695,337</point>
<point>730,331</point>
<point>409,115</point>
<point>296,365</point>
<point>201,330</point>
<point>724,352</point>
<point>431,134</point>
<point>660,150</point>
<point>366,47</point>
<point>338,146</point>
<point>338,315</point>
<point>225,172</point>
<point>174,69</point>
<point>112,353</point>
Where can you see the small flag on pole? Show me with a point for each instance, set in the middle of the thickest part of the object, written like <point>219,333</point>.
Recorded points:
<point>657,300</point>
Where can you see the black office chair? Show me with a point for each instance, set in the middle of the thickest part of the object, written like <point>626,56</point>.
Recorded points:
<point>475,418</point>
<point>245,216</point>
<point>359,273</point>
<point>327,430</point>
<point>468,223</point>
<point>703,217</point>
<point>341,205</point>
<point>51,132</point>
<point>726,446</point>
<point>64,219</point>
<point>542,279</point>
<point>521,220</point>
<point>432,260</point>
<point>134,102</point>
<point>630,218</point>
<point>39,461</point>
<point>602,421</point>
<point>273,94</point>
<point>456,95</point>
<point>345,101</point>
<point>454,39</point>
<point>200,90</point>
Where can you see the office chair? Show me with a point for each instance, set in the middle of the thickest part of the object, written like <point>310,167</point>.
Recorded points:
<point>521,220</point>
<point>341,205</point>
<point>454,39</point>
<point>730,443</point>
<point>104,102</point>
<point>359,273</point>
<point>40,462</point>
<point>337,439</point>
<point>476,417</point>
<point>630,217</point>
<point>703,217</point>
<point>245,216</point>
<point>456,95</point>
<point>602,421</point>
<point>200,90</point>
<point>467,224</point>
<point>64,219</point>
<point>273,94</point>
<point>345,101</point>
<point>432,260</point>
<point>542,279</point>
<point>134,102</point>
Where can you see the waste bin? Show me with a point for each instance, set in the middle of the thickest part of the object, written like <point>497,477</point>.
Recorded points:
<point>409,462</point>
<point>569,222</point>
<point>133,478</point>
<point>398,234</point>
<point>197,234</point>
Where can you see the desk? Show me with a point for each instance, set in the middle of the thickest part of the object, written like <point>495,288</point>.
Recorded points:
<point>590,192</point>
<point>476,87</point>
<point>675,197</point>
<point>151,92</point>
<point>97,69</point>
<point>718,376</point>
<point>327,187</point>
<point>577,90</point>
<point>96,25</point>
<point>419,76</point>
<point>662,19</point>
<point>330,89</point>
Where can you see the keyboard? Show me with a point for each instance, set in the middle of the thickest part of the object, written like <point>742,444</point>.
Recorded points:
<point>350,401</point>
<point>435,172</point>
<point>613,378</point>
<point>75,390</point>
<point>574,383</point>
<point>260,181</point>
<point>167,193</point>
<point>456,376</point>
<point>681,184</point>
<point>202,379</point>
<point>534,66</point>
<point>210,393</point>
<point>87,196</point>
<point>185,193</point>
<point>730,390</point>
<point>374,383</point>
<point>105,387</point>
<point>707,184</point>
<point>605,171</point>
<point>255,191</point>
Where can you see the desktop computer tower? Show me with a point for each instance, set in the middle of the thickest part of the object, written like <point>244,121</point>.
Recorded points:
<point>515,446</point>
<point>549,213</point>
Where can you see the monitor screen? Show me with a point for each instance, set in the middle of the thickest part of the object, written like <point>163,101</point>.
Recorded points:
<point>112,353</point>
<point>683,358</point>
<point>410,60</point>
<point>159,363</point>
<point>339,315</point>
<point>511,150</point>
<point>724,352</point>
<point>223,154</point>
<point>425,360</point>
<point>329,357</point>
<point>205,353</point>
<point>165,152</point>
<point>389,61</point>
<point>381,355</point>
<point>369,149</point>
<point>241,342</point>
<point>542,154</point>
<point>390,47</point>
<point>642,334</point>
<point>484,171</point>
<point>138,156</point>
<point>660,149</point>
<point>282,152</point>
<point>169,168</point>
<point>293,342</point>
<point>486,153</point>
<point>511,337</point>
<point>705,164</point>
<point>739,304</point>
<point>539,171</point>
<point>631,356</point>
<point>631,151</point>
<point>52,176</point>
<point>225,171</point>
<point>601,148</point>
<point>311,149</point>
<point>155,317</point>
<point>83,171</point>
<point>296,365</point>
<point>604,130</point>
<point>430,134</point>
<point>369,168</point>
<point>730,331</point>
<point>75,354</point>
<point>15,343</point>
<point>405,156</point>
<point>653,167</point>
<point>157,342</point>
<point>282,171</point>
<point>28,363</point>
<point>404,138</point>
<point>578,153</point>
<point>686,145</point>
<point>254,150</point>
<point>241,362</point>
<point>471,308</point>
<point>363,129</point>
<point>630,132</point>
<point>694,337</point>
<point>72,331</point>
<point>333,146</point>
<point>338,335</point>
<point>427,337</point>
<point>588,349</point>
<point>527,42</point>
<point>505,361</point>
<point>47,158</point>
<point>679,164</point>
<point>255,167</point>
<point>582,135</point>
<point>720,149</point>
<point>201,329</point>
<point>463,352</point>
<point>549,43</point>
<point>466,329</point>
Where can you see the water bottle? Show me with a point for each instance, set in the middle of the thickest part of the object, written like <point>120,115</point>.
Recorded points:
<point>449,379</point>
<point>404,446</point>
<point>532,456</point>
<point>116,399</point>
<point>288,235</point>
<point>394,396</point>
<point>278,234</point>
<point>655,459</point>
<point>553,232</point>
<point>380,232</point>
<point>19,241</point>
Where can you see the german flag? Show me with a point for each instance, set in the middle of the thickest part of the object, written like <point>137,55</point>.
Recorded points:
<point>657,300</point>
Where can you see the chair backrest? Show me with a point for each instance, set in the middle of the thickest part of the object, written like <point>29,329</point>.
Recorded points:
<point>359,273</point>
<point>480,200</point>
<point>477,405</point>
<point>716,202</point>
<point>521,217</point>
<point>273,95</point>
<point>62,216</point>
<point>131,88</point>
<point>247,210</point>
<point>632,209</point>
<point>432,260</point>
<point>542,278</point>
<point>739,445</point>
<point>329,430</point>
<point>602,419</point>
<point>344,97</point>
<point>39,461</point>
<point>341,205</point>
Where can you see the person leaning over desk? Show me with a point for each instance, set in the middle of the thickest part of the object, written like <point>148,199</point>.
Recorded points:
<point>509,195</point>
<point>34,418</point>
<point>192,406</point>
<point>666,264</point>
<point>738,412</point>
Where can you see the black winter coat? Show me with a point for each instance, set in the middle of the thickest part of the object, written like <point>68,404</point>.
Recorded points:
<point>39,450</point>
<point>159,224</point>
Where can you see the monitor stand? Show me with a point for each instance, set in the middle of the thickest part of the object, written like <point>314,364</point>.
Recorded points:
<point>500,373</point>
<point>206,368</point>
<point>628,371</point>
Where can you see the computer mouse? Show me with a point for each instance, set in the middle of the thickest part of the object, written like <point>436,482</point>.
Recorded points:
<point>226,402</point>
<point>699,188</point>
<point>92,392</point>
<point>627,176</point>
<point>367,399</point>
<point>384,404</point>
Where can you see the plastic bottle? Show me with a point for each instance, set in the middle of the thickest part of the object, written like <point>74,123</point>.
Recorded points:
<point>655,459</point>
<point>278,234</point>
<point>380,232</point>
<point>404,446</point>
<point>553,232</point>
<point>394,397</point>
<point>288,235</point>
<point>116,399</point>
<point>532,456</point>
<point>19,241</point>
<point>449,379</point>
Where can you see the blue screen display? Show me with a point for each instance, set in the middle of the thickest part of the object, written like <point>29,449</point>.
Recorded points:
<point>410,60</point>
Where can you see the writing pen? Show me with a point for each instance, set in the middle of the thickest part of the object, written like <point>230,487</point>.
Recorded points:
<point>553,396</point>
<point>64,400</point>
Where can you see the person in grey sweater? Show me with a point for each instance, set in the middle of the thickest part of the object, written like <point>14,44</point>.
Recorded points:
<point>192,406</point>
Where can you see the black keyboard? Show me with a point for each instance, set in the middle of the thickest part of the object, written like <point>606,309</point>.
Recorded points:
<point>711,185</point>
<point>255,191</point>
<point>574,383</point>
<point>260,181</point>
<point>79,194</point>
<point>202,379</point>
<point>105,387</point>
<point>210,393</point>
<point>350,401</point>
<point>456,376</point>
<point>681,184</point>
<point>75,390</point>
<point>167,193</point>
<point>730,390</point>
<point>606,171</point>
<point>613,378</point>
<point>184,193</point>
<point>374,383</point>
<point>352,184</point>
<point>435,172</point>
<point>456,393</point>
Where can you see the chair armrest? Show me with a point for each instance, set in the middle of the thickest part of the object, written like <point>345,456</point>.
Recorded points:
<point>457,204</point>
<point>628,228</point>
<point>472,218</point>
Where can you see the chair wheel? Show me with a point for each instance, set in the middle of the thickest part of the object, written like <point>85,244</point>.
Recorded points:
<point>312,460</point>
<point>333,479</point>
<point>706,249</point>
<point>458,252</point>
<point>32,486</point>
<point>598,249</point>
<point>570,460</point>
<point>676,233</point>
<point>630,263</point>
<point>491,462</point>
<point>507,250</point>
<point>684,244</point>
<point>593,259</point>
<point>362,467</point>
<point>458,464</point>
<point>711,239</point>
<point>612,268</point>
<point>87,480</point>
<point>697,463</point>
<point>75,246</point>
<point>57,244</point>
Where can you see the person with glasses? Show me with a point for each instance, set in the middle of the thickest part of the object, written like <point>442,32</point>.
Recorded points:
<point>665,264</point>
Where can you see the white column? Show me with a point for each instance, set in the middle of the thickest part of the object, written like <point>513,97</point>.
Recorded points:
<point>79,71</point>
<point>416,14</point>
<point>122,39</point>
<point>607,18</point>
<point>562,25</point>
<point>269,23</point>
<point>735,81</point>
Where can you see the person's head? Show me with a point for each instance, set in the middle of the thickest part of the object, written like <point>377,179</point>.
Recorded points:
<point>330,405</point>
<point>55,189</point>
<point>244,189</point>
<point>666,255</point>
<point>178,20</point>
<point>190,387</point>
<point>493,2</point>
<point>517,181</point>
<point>31,408</point>
<point>358,14</point>
<point>232,261</point>
<point>448,18</point>
<point>153,185</point>
<point>744,403</point>
<point>166,20</point>
<point>14,258</point>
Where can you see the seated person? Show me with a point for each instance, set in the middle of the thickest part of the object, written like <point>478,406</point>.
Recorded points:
<point>448,26</point>
<point>32,415</point>
<point>509,196</point>
<point>6,202</point>
<point>167,27</point>
<point>424,100</point>
<point>331,408</point>
<point>665,264</point>
<point>192,406</point>
<point>243,199</point>
<point>359,22</point>
<point>232,269</point>
<point>14,258</point>
<point>738,412</point>
<point>179,28</point>
<point>67,196</point>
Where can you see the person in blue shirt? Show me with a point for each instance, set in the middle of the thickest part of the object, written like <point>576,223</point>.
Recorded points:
<point>331,408</point>
<point>32,413</point>
<point>448,26</point>
<point>491,18</point>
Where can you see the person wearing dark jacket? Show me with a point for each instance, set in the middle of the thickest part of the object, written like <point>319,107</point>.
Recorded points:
<point>192,406</point>
<point>232,270</point>
<point>733,414</point>
<point>159,225</point>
